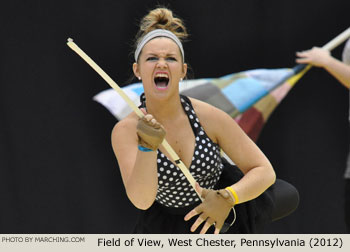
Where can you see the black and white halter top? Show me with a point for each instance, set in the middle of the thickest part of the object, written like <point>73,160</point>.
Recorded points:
<point>174,190</point>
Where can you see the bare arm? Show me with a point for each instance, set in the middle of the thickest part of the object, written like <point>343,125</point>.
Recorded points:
<point>258,171</point>
<point>322,58</point>
<point>138,169</point>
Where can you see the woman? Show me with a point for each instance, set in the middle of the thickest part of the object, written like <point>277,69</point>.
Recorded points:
<point>195,130</point>
<point>341,71</point>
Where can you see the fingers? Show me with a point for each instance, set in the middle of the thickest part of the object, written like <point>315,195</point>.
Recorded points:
<point>303,54</point>
<point>143,110</point>
<point>150,133</point>
<point>207,225</point>
<point>147,118</point>
<point>301,61</point>
<point>193,212</point>
<point>150,120</point>
<point>154,123</point>
<point>199,209</point>
<point>315,56</point>
<point>218,226</point>
<point>214,209</point>
<point>304,57</point>
<point>201,191</point>
<point>300,54</point>
<point>203,217</point>
<point>198,188</point>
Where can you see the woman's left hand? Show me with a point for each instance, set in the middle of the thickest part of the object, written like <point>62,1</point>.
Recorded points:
<point>213,210</point>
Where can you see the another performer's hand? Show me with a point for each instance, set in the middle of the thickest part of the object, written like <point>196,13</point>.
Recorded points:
<point>213,210</point>
<point>315,56</point>
<point>150,132</point>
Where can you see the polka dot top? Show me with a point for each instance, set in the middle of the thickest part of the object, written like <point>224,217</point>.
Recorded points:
<point>206,167</point>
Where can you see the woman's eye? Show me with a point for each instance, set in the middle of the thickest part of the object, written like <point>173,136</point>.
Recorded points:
<point>152,58</point>
<point>171,59</point>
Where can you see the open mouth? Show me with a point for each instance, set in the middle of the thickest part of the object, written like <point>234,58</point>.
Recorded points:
<point>161,81</point>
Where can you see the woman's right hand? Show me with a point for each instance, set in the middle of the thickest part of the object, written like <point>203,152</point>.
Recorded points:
<point>150,132</point>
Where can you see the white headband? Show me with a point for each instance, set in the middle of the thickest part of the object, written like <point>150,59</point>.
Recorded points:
<point>158,33</point>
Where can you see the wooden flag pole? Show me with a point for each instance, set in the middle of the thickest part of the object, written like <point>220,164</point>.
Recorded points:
<point>337,40</point>
<point>115,86</point>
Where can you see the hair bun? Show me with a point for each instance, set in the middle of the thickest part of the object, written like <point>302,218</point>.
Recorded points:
<point>162,18</point>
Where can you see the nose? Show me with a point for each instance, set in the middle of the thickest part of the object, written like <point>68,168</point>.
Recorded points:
<point>162,63</point>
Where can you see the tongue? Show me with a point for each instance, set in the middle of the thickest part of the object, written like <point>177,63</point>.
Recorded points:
<point>161,84</point>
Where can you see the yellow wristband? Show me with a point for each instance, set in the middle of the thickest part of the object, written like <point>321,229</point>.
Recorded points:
<point>233,193</point>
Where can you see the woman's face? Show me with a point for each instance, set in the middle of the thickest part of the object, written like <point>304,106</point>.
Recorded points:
<point>160,67</point>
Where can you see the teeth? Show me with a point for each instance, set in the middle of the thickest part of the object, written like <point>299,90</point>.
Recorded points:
<point>162,75</point>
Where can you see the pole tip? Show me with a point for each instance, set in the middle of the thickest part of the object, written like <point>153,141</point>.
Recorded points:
<point>70,40</point>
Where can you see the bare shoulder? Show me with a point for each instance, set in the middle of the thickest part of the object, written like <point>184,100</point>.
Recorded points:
<point>208,113</point>
<point>204,109</point>
<point>211,118</point>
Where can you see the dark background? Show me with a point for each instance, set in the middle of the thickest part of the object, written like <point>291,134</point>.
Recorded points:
<point>58,173</point>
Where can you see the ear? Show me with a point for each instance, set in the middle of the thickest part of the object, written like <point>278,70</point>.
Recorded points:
<point>184,70</point>
<point>135,68</point>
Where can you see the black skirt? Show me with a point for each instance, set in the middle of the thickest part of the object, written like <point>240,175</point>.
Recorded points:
<point>251,216</point>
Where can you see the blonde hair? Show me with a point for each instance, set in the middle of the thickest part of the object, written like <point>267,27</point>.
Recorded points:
<point>161,18</point>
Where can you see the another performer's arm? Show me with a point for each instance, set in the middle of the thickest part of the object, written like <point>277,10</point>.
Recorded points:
<point>322,58</point>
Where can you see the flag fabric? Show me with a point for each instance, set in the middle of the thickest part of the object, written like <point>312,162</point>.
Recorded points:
<point>249,97</point>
